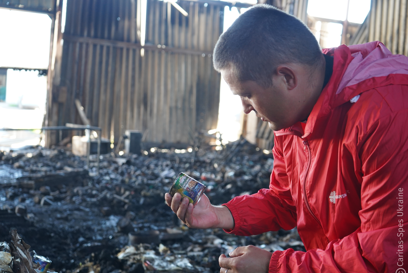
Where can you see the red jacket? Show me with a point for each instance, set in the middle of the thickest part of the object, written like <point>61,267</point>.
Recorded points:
<point>342,177</point>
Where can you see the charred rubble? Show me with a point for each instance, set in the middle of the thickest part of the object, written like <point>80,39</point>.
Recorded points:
<point>117,221</point>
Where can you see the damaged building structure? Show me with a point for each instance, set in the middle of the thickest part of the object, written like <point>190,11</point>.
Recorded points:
<point>137,76</point>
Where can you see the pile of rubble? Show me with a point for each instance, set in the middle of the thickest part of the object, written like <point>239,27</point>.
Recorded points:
<point>117,221</point>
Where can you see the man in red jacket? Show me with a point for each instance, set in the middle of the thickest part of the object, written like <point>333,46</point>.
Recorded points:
<point>340,155</point>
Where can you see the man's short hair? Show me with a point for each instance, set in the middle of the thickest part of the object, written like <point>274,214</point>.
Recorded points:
<point>260,40</point>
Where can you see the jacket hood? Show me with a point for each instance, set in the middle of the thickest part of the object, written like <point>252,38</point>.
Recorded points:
<point>356,69</point>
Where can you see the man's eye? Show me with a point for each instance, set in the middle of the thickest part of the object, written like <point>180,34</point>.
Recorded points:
<point>245,96</point>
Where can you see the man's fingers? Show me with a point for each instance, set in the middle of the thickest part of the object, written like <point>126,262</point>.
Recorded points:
<point>225,262</point>
<point>180,206</point>
<point>238,251</point>
<point>175,202</point>
<point>167,198</point>
<point>189,212</point>
<point>182,210</point>
<point>230,262</point>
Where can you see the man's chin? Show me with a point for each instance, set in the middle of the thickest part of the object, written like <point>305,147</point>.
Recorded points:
<point>273,126</point>
<point>276,127</point>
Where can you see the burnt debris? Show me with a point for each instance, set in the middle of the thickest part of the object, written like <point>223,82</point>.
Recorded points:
<point>117,221</point>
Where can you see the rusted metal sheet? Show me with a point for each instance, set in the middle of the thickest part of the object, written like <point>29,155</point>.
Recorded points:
<point>386,22</point>
<point>165,87</point>
<point>41,6</point>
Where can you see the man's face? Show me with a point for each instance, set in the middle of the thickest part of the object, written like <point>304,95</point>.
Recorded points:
<point>272,104</point>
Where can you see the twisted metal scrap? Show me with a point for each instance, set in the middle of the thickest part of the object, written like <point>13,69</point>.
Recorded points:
<point>23,262</point>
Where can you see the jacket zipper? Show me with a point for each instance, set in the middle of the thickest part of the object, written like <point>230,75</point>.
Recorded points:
<point>309,160</point>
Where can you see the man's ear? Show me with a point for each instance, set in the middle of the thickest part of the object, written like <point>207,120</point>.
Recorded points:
<point>288,76</point>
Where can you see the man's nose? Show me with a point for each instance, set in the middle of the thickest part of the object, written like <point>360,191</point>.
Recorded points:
<point>247,106</point>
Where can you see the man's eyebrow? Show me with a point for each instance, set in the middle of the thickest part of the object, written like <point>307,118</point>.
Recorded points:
<point>234,92</point>
<point>239,92</point>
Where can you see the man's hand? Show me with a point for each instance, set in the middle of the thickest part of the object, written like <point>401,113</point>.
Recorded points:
<point>202,215</point>
<point>246,259</point>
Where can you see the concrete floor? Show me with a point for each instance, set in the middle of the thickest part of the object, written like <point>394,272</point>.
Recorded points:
<point>18,118</point>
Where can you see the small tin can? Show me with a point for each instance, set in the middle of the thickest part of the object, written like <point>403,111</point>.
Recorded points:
<point>188,187</point>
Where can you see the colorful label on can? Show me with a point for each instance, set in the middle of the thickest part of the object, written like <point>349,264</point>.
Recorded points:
<point>188,187</point>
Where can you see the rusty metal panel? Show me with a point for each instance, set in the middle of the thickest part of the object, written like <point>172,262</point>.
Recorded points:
<point>41,6</point>
<point>166,88</point>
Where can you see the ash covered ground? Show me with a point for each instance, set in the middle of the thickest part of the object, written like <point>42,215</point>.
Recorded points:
<point>117,221</point>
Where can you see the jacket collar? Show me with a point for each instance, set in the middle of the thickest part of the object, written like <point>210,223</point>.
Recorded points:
<point>342,58</point>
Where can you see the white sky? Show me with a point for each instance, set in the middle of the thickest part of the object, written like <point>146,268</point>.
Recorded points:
<point>25,42</point>
<point>25,39</point>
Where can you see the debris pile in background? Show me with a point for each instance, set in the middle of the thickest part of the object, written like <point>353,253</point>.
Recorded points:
<point>117,221</point>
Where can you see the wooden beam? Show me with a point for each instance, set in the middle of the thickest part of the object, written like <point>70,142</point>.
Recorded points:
<point>134,46</point>
<point>82,113</point>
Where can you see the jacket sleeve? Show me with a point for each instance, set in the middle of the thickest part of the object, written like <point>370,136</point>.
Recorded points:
<point>380,244</point>
<point>268,209</point>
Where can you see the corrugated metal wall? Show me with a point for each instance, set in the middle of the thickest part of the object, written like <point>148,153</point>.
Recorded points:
<point>43,6</point>
<point>387,22</point>
<point>298,8</point>
<point>168,91</point>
